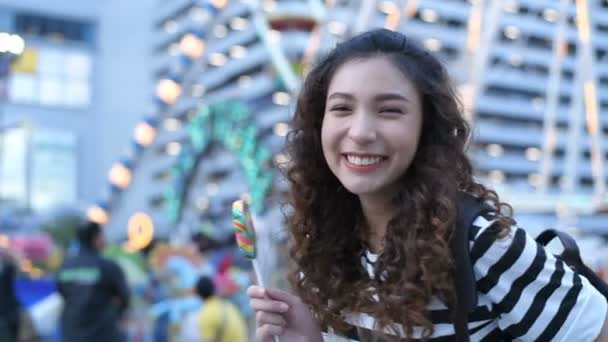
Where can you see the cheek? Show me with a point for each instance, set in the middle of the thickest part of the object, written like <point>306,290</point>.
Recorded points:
<point>326,140</point>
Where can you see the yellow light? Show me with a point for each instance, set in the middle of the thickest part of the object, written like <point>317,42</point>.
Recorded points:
<point>120,175</point>
<point>168,91</point>
<point>533,153</point>
<point>550,14</point>
<point>192,46</point>
<point>583,20</point>
<point>497,176</point>
<point>591,106</point>
<point>173,148</point>
<point>281,98</point>
<point>474,29</point>
<point>140,230</point>
<point>393,15</point>
<point>238,23</point>
<point>337,28</point>
<point>144,134</point>
<point>511,7</point>
<point>387,7</point>
<point>269,6</point>
<point>4,241</point>
<point>511,32</point>
<point>98,215</point>
<point>411,8</point>
<point>217,59</point>
<point>281,129</point>
<point>429,16</point>
<point>219,4</point>
<point>495,150</point>
<point>432,44</point>
<point>274,36</point>
<point>238,52</point>
<point>172,124</point>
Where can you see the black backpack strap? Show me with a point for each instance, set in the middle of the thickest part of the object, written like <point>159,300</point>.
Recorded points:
<point>469,208</point>
<point>572,257</point>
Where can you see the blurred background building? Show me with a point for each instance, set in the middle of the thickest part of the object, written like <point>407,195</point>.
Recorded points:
<point>176,108</point>
<point>71,99</point>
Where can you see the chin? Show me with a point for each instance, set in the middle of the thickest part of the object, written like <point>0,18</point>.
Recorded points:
<point>360,190</point>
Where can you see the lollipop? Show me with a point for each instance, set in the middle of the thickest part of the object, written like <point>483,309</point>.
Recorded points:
<point>245,234</point>
<point>245,237</point>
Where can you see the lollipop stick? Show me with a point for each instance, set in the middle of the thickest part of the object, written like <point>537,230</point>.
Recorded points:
<point>260,280</point>
<point>258,275</point>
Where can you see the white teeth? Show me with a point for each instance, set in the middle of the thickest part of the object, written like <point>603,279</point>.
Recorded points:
<point>363,161</point>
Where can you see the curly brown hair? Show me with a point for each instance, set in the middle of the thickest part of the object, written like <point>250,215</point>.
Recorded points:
<point>327,230</point>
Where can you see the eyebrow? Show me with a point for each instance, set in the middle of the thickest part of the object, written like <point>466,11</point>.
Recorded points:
<point>378,98</point>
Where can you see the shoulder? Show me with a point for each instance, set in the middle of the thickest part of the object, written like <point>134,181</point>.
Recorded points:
<point>110,266</point>
<point>535,294</point>
<point>493,241</point>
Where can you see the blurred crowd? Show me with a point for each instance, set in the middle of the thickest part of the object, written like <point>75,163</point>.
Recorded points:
<point>93,290</point>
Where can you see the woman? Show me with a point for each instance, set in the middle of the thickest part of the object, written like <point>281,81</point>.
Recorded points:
<point>377,159</point>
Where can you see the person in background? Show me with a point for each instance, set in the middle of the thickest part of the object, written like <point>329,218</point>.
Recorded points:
<point>94,290</point>
<point>9,305</point>
<point>219,320</point>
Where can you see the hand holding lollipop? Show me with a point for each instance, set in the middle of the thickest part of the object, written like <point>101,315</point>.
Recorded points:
<point>245,237</point>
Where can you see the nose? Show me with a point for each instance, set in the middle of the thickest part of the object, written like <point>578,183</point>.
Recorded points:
<point>362,128</point>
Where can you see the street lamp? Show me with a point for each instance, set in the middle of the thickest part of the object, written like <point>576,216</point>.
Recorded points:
<point>11,47</point>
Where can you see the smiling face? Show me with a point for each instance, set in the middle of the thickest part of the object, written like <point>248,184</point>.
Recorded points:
<point>371,126</point>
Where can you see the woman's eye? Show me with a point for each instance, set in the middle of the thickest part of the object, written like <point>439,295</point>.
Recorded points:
<point>391,110</point>
<point>340,108</point>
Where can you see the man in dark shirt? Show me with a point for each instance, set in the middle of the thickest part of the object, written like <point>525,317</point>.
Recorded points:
<point>9,305</point>
<point>94,290</point>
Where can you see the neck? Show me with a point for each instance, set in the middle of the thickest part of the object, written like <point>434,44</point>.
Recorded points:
<point>377,212</point>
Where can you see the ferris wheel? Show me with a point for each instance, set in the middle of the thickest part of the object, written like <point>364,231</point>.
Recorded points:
<point>224,99</point>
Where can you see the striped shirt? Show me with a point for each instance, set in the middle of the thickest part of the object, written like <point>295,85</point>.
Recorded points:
<point>524,292</point>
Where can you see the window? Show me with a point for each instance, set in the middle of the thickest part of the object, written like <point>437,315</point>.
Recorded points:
<point>54,28</point>
<point>52,76</point>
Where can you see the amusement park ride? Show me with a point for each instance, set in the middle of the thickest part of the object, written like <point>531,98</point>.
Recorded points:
<point>228,74</point>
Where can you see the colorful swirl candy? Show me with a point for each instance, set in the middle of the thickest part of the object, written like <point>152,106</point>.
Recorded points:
<point>243,227</point>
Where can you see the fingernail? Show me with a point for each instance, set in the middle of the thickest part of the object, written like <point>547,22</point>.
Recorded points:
<point>284,307</point>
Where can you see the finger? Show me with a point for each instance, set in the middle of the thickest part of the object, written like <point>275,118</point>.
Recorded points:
<point>282,296</point>
<point>266,332</point>
<point>264,317</point>
<point>268,305</point>
<point>255,291</point>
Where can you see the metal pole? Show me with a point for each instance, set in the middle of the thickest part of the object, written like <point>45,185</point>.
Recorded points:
<point>585,32</point>
<point>575,127</point>
<point>552,98</point>
<point>277,56</point>
<point>481,52</point>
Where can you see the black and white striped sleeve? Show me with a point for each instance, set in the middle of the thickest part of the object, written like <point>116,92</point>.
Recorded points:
<point>536,296</point>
